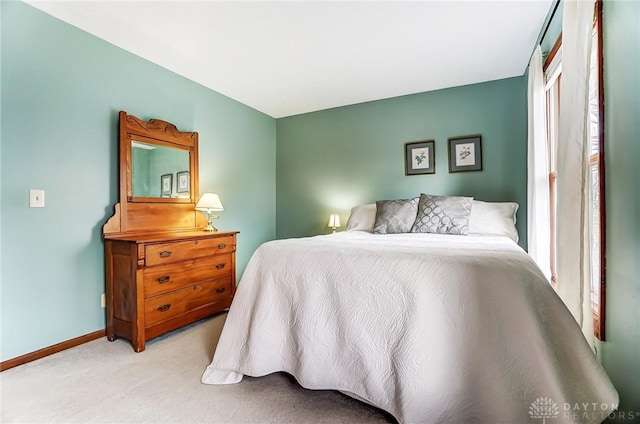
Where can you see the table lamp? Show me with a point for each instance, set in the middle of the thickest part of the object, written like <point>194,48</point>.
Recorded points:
<point>334,221</point>
<point>210,202</point>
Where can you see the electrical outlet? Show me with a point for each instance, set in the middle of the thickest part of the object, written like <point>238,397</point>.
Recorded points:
<point>36,198</point>
<point>103,301</point>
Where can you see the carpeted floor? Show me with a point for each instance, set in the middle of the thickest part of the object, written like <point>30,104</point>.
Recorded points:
<point>103,382</point>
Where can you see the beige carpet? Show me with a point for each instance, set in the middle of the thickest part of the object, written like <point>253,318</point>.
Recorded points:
<point>103,382</point>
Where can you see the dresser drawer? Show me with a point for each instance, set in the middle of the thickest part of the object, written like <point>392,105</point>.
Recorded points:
<point>165,306</point>
<point>165,278</point>
<point>163,253</point>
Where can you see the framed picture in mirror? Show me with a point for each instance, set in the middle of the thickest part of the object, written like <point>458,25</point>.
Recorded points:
<point>183,182</point>
<point>166,183</point>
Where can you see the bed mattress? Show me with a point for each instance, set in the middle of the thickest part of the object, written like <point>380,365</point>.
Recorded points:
<point>430,328</point>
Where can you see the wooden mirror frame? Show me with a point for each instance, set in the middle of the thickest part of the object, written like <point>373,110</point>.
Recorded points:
<point>145,214</point>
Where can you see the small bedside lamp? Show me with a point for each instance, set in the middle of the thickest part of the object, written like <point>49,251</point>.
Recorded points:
<point>334,221</point>
<point>210,202</point>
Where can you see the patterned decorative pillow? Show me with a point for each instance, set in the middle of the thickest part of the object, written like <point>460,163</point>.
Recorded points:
<point>395,216</point>
<point>442,215</point>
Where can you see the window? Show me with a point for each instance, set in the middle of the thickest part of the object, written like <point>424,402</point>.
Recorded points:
<point>553,77</point>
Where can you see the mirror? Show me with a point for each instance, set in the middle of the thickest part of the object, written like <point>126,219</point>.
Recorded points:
<point>159,171</point>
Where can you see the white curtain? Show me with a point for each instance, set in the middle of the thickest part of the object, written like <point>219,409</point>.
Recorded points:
<point>538,214</point>
<point>572,231</point>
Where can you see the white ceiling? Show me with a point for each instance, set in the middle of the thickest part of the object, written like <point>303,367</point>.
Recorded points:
<point>290,57</point>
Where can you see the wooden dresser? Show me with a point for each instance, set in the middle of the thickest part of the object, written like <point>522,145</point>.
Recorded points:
<point>163,270</point>
<point>157,282</point>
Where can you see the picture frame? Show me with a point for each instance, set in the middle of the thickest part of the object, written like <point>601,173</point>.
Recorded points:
<point>420,157</point>
<point>465,153</point>
<point>182,182</point>
<point>166,185</point>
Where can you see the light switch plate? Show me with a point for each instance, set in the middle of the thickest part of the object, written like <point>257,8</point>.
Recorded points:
<point>36,198</point>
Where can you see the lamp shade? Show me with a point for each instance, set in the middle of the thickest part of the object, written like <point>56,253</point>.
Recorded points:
<point>209,202</point>
<point>334,220</point>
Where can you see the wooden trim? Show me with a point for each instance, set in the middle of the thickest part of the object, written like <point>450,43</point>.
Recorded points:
<point>552,52</point>
<point>599,325</point>
<point>552,206</point>
<point>39,354</point>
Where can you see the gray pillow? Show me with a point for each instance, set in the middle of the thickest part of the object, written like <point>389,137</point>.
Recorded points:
<point>442,215</point>
<point>395,216</point>
<point>362,218</point>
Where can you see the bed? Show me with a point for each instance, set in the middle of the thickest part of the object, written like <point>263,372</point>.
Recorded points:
<point>432,328</point>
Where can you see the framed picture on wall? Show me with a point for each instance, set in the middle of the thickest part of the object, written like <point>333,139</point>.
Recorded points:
<point>420,158</point>
<point>183,182</point>
<point>465,153</point>
<point>166,183</point>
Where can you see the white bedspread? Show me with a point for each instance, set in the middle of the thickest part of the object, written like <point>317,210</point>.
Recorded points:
<point>431,328</point>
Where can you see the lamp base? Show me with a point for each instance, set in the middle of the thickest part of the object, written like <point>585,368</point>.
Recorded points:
<point>210,228</point>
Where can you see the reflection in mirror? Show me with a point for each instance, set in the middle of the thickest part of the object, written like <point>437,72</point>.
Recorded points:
<point>151,166</point>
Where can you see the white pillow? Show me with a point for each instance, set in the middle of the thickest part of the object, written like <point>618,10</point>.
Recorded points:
<point>493,218</point>
<point>362,218</point>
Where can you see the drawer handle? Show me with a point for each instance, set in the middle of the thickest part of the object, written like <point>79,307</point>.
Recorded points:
<point>164,308</point>
<point>163,279</point>
<point>222,245</point>
<point>219,266</point>
<point>220,289</point>
<point>165,253</point>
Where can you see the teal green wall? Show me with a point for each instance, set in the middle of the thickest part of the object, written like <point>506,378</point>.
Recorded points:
<point>140,172</point>
<point>331,160</point>
<point>554,28</point>
<point>61,92</point>
<point>620,354</point>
